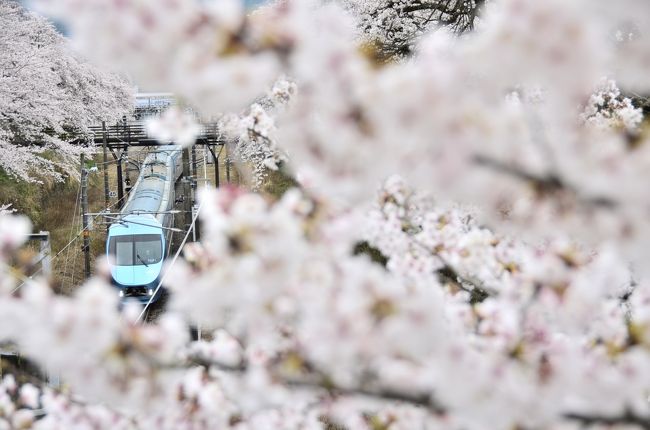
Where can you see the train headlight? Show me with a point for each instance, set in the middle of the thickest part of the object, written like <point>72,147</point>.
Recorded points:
<point>121,293</point>
<point>150,291</point>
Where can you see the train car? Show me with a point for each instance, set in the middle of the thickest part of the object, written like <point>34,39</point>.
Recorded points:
<point>139,240</point>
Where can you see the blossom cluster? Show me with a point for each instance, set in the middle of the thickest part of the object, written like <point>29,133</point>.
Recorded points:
<point>253,133</point>
<point>608,108</point>
<point>17,403</point>
<point>518,298</point>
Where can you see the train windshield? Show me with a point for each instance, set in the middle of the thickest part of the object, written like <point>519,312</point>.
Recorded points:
<point>136,249</point>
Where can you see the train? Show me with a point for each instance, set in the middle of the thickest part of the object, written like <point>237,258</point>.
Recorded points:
<point>139,239</point>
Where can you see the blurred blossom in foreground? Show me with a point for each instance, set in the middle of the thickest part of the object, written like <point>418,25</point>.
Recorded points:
<point>469,249</point>
<point>175,126</point>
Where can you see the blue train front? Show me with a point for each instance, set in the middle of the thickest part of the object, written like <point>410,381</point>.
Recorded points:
<point>139,240</point>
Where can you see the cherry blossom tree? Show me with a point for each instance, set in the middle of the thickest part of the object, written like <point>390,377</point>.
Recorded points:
<point>48,96</point>
<point>253,134</point>
<point>394,26</point>
<point>508,286</point>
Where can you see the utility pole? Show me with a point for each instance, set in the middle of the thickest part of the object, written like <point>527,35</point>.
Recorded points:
<point>104,146</point>
<point>84,217</point>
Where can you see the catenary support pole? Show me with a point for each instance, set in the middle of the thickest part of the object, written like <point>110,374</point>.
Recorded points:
<point>195,175</point>
<point>205,165</point>
<point>84,217</point>
<point>227,161</point>
<point>216,166</point>
<point>120,182</point>
<point>187,192</point>
<point>194,165</point>
<point>217,174</point>
<point>107,196</point>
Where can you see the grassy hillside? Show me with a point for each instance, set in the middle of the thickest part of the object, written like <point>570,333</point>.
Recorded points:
<point>52,206</point>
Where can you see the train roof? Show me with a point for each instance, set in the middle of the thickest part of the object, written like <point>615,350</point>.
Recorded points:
<point>135,224</point>
<point>148,195</point>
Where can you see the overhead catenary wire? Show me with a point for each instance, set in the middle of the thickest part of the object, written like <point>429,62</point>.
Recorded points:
<point>74,265</point>
<point>30,278</point>
<point>72,227</point>
<point>121,221</point>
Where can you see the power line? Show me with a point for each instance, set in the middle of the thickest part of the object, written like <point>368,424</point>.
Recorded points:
<point>65,247</point>
<point>72,226</point>
<point>30,278</point>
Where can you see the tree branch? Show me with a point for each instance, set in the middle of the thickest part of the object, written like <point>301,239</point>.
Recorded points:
<point>627,418</point>
<point>544,185</point>
<point>424,400</point>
